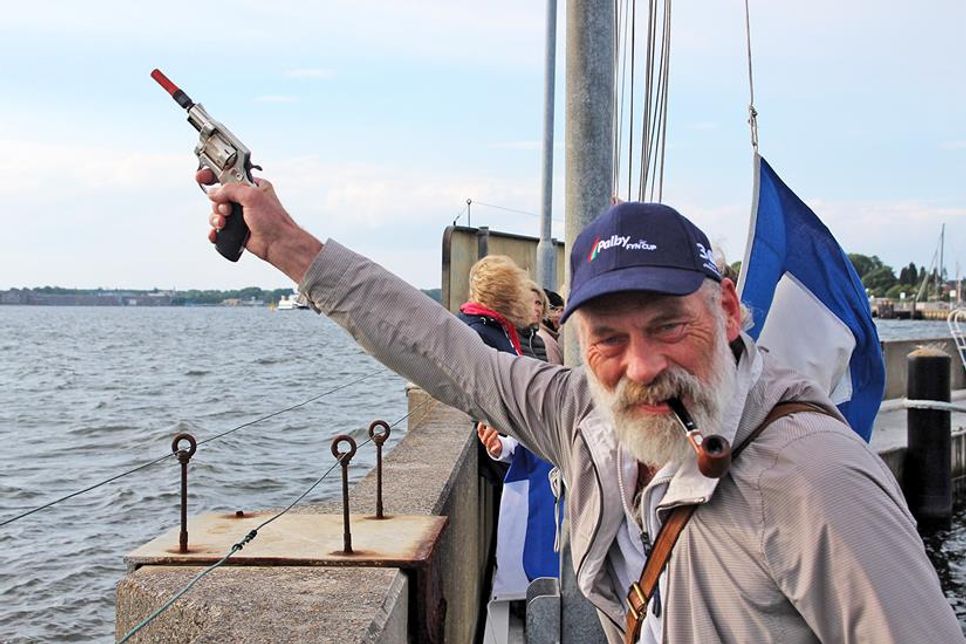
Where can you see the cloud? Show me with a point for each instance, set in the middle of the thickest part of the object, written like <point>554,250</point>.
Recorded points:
<point>310,73</point>
<point>276,99</point>
<point>953,145</point>
<point>39,169</point>
<point>516,145</point>
<point>898,232</point>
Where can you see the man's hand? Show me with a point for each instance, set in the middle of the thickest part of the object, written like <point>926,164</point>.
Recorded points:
<point>490,439</point>
<point>275,237</point>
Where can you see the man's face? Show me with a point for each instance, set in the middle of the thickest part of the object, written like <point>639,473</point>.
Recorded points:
<point>641,349</point>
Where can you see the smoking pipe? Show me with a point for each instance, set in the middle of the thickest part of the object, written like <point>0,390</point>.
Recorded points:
<point>714,451</point>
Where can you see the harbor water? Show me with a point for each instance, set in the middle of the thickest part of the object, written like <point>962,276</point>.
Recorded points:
<point>87,393</point>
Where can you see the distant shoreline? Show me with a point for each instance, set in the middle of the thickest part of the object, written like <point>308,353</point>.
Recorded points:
<point>252,296</point>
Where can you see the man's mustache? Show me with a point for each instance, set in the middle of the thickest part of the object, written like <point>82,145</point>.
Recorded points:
<point>673,382</point>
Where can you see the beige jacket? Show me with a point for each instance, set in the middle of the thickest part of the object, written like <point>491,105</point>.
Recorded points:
<point>807,539</point>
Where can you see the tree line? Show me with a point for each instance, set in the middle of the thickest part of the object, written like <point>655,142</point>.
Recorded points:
<point>881,280</point>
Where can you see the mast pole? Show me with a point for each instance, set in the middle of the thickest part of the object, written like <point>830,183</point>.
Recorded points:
<point>590,122</point>
<point>942,246</point>
<point>546,254</point>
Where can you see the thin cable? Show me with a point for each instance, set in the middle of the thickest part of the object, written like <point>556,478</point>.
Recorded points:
<point>235,548</point>
<point>647,130</point>
<point>296,406</point>
<point>460,214</point>
<point>666,79</point>
<point>620,74</point>
<point>166,456</point>
<point>752,112</point>
<point>630,118</point>
<point>519,212</point>
<point>659,125</point>
<point>252,534</point>
<point>87,489</point>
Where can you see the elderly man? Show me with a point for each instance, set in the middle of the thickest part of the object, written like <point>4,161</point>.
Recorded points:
<point>807,538</point>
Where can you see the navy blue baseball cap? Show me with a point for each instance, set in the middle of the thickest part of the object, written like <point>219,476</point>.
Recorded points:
<point>637,246</point>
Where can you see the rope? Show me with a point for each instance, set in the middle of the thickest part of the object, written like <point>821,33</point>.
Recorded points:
<point>660,126</point>
<point>251,536</point>
<point>519,212</point>
<point>654,112</point>
<point>630,118</point>
<point>752,112</point>
<point>459,214</point>
<point>620,72</point>
<point>937,405</point>
<point>166,456</point>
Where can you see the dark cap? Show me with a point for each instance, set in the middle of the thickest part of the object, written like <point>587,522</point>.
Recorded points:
<point>553,298</point>
<point>637,246</point>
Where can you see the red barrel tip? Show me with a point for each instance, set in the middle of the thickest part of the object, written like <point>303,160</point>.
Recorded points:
<point>163,81</point>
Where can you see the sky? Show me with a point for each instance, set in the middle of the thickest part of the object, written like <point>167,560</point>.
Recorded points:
<point>377,120</point>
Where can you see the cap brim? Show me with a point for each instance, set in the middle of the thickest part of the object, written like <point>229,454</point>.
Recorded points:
<point>651,279</point>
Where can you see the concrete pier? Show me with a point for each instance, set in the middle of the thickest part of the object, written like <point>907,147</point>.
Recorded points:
<point>432,471</point>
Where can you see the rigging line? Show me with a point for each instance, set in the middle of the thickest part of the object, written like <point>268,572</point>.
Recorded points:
<point>661,99</point>
<point>667,76</point>
<point>654,97</point>
<point>296,406</point>
<point>459,214</point>
<point>752,112</point>
<point>253,533</point>
<point>648,101</point>
<point>521,212</point>
<point>630,117</point>
<point>169,455</point>
<point>617,115</point>
<point>623,100</point>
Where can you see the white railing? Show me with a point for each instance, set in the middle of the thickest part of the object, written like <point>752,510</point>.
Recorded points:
<point>957,327</point>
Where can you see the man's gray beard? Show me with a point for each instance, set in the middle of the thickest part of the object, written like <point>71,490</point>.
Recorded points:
<point>658,439</point>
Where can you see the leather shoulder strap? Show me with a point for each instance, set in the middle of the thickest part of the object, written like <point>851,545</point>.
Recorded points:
<point>640,592</point>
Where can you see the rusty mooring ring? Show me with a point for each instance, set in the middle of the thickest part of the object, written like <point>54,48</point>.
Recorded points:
<point>184,436</point>
<point>345,457</point>
<point>381,437</point>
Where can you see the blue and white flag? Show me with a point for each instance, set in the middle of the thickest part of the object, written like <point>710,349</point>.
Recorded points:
<point>810,308</point>
<point>527,527</point>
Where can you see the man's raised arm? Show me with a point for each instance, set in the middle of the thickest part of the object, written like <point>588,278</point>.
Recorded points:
<point>275,237</point>
<point>400,326</point>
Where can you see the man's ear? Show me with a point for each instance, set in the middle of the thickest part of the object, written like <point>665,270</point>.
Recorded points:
<point>731,306</point>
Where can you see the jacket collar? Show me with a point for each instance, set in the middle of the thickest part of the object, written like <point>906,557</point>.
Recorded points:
<point>475,308</point>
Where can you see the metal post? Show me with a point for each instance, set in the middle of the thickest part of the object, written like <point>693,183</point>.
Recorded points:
<point>927,480</point>
<point>546,255</point>
<point>379,438</point>
<point>482,242</point>
<point>590,128</point>
<point>344,458</point>
<point>184,456</point>
<point>578,618</point>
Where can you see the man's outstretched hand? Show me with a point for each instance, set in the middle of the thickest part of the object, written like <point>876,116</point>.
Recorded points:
<point>275,237</point>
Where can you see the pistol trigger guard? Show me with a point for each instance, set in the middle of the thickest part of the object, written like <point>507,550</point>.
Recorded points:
<point>205,189</point>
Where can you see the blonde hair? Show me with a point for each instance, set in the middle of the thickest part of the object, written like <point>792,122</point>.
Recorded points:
<point>498,283</point>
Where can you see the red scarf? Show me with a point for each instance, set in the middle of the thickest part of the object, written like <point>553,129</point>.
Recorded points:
<point>474,308</point>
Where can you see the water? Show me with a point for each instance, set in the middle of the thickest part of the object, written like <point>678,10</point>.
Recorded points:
<point>86,393</point>
<point>912,329</point>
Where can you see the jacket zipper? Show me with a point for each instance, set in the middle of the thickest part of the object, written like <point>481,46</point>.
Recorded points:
<point>600,491</point>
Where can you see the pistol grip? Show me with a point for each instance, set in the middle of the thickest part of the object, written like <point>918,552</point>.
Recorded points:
<point>230,240</point>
